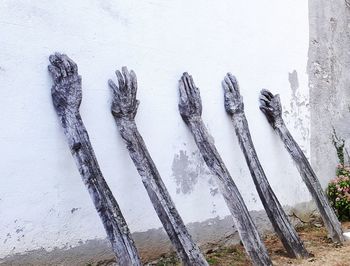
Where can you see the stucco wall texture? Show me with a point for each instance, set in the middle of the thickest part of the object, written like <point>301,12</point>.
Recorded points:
<point>43,202</point>
<point>329,80</point>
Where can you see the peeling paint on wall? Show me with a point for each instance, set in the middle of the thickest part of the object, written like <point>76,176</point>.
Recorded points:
<point>187,169</point>
<point>297,112</point>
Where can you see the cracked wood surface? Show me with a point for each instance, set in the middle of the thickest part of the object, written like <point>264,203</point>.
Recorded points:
<point>67,95</point>
<point>124,109</point>
<point>235,108</point>
<point>270,105</point>
<point>190,108</point>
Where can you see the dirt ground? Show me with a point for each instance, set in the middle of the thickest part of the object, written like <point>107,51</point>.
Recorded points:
<point>324,252</point>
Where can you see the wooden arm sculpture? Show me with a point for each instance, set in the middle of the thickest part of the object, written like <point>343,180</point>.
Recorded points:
<point>124,108</point>
<point>235,108</point>
<point>270,105</point>
<point>190,108</point>
<point>67,96</point>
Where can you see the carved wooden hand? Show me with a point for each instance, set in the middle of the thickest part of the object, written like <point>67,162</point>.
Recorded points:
<point>124,102</point>
<point>66,91</point>
<point>271,107</point>
<point>284,229</point>
<point>124,107</point>
<point>233,99</point>
<point>66,96</point>
<point>190,105</point>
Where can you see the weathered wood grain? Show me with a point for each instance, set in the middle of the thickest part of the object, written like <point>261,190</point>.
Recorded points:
<point>190,108</point>
<point>67,96</point>
<point>124,108</point>
<point>270,105</point>
<point>235,108</point>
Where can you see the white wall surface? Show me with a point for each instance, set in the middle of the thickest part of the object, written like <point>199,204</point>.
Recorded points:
<point>260,41</point>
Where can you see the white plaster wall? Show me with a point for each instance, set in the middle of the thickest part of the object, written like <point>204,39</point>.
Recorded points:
<point>260,41</point>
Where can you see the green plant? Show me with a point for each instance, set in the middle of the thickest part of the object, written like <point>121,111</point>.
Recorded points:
<point>339,145</point>
<point>338,192</point>
<point>212,261</point>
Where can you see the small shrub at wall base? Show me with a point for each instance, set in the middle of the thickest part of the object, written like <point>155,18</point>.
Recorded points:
<point>338,192</point>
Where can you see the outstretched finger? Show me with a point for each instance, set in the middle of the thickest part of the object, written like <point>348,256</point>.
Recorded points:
<point>120,80</point>
<point>115,90</point>
<point>229,84</point>
<point>276,98</point>
<point>186,84</point>
<point>183,93</point>
<point>264,101</point>
<point>191,87</point>
<point>133,79</point>
<point>225,87</point>
<point>64,62</point>
<point>127,79</point>
<point>194,88</point>
<point>53,60</point>
<point>56,60</point>
<point>113,86</point>
<point>55,73</point>
<point>72,65</point>
<point>234,82</point>
<point>191,95</point>
<point>267,94</point>
<point>276,101</point>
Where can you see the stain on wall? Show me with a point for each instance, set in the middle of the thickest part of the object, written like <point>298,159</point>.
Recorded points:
<point>297,112</point>
<point>111,9</point>
<point>73,210</point>
<point>187,168</point>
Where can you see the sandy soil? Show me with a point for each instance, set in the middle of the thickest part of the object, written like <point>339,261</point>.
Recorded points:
<point>324,252</point>
<point>315,239</point>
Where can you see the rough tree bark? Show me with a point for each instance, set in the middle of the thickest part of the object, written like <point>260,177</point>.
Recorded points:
<point>124,108</point>
<point>270,105</point>
<point>286,232</point>
<point>190,108</point>
<point>67,96</point>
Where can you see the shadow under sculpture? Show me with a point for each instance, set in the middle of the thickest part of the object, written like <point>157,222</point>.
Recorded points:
<point>270,105</point>
<point>67,96</point>
<point>235,108</point>
<point>124,109</point>
<point>190,108</point>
